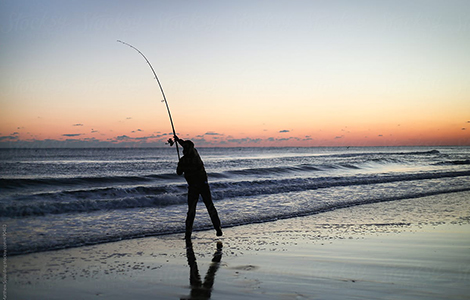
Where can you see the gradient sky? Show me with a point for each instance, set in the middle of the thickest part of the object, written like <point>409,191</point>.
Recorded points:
<point>235,73</point>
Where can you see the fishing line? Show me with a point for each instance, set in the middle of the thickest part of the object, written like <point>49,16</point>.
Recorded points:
<point>163,93</point>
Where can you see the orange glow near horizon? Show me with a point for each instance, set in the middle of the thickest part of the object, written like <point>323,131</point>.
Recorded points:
<point>314,74</point>
<point>246,133</point>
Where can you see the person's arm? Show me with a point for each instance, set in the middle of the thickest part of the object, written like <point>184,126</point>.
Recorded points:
<point>178,140</point>
<point>179,168</point>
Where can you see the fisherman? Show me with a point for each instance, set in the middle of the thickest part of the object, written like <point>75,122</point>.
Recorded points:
<point>195,174</point>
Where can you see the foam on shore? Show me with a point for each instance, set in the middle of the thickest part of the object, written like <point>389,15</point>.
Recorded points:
<point>408,249</point>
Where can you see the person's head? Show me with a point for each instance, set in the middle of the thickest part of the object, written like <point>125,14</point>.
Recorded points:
<point>188,147</point>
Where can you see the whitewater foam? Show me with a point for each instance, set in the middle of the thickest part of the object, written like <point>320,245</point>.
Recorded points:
<point>65,198</point>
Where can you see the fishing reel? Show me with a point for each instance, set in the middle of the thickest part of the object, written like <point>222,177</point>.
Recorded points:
<point>170,142</point>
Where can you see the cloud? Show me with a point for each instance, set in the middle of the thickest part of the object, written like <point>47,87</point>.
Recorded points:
<point>78,124</point>
<point>140,139</point>
<point>199,140</point>
<point>72,134</point>
<point>284,131</point>
<point>212,133</point>
<point>13,142</point>
<point>123,137</point>
<point>143,138</point>
<point>244,140</point>
<point>271,139</point>
<point>8,138</point>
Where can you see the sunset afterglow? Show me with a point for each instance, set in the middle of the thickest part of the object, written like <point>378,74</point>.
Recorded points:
<point>235,73</point>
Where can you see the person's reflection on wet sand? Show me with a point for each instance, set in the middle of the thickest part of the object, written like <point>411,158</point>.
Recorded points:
<point>199,289</point>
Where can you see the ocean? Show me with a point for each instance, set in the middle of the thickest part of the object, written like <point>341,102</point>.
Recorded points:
<point>59,198</point>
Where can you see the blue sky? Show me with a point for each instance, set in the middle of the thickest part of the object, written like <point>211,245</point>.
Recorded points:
<point>275,72</point>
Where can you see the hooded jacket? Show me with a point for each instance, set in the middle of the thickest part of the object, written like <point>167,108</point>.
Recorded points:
<point>191,165</point>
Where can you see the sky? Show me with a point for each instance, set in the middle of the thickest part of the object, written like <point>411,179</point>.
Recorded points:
<point>235,73</point>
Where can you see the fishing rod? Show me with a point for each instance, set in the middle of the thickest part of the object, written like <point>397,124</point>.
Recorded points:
<point>170,141</point>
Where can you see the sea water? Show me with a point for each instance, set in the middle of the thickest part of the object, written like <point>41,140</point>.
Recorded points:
<point>57,198</point>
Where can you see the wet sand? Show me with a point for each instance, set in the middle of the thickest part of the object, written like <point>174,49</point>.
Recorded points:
<point>408,249</point>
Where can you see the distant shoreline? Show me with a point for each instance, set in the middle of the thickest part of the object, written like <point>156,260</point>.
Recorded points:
<point>34,147</point>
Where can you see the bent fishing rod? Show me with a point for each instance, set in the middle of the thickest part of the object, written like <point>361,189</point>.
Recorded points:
<point>170,141</point>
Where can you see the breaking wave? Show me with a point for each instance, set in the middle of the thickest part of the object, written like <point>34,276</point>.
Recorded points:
<point>85,200</point>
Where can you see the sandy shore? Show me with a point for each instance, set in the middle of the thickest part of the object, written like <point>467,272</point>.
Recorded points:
<point>408,249</point>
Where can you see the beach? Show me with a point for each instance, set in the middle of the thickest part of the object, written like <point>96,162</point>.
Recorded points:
<point>407,249</point>
<point>328,140</point>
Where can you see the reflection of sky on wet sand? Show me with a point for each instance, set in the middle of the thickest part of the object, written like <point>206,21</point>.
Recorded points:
<point>358,248</point>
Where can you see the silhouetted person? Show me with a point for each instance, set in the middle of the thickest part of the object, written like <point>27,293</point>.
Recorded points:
<point>195,174</point>
<point>202,290</point>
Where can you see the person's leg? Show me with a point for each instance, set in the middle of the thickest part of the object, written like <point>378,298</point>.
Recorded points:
<point>193,196</point>
<point>207,198</point>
